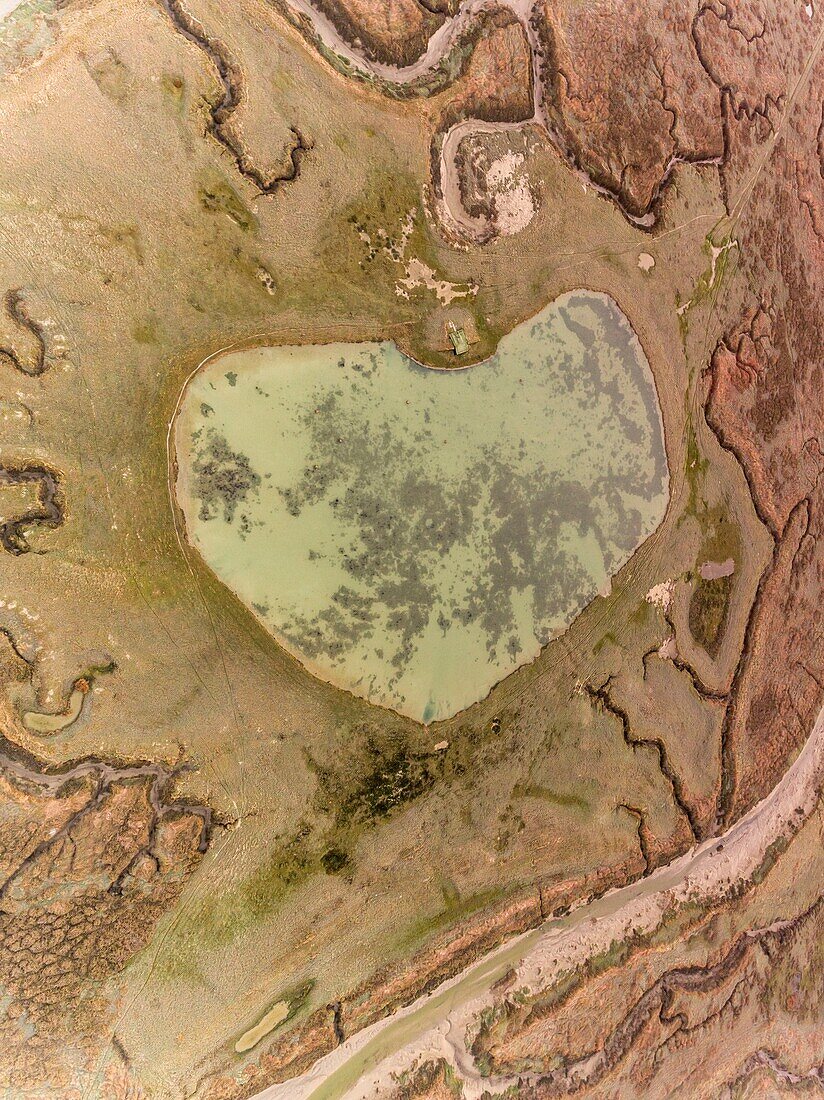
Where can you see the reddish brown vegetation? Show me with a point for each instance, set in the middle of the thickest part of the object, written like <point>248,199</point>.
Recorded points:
<point>627,94</point>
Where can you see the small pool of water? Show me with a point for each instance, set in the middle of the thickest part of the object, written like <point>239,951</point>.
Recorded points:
<point>414,535</point>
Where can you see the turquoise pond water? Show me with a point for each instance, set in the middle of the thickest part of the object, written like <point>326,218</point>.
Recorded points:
<point>414,535</point>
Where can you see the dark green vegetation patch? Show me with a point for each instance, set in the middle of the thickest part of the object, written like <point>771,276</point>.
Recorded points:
<point>708,612</point>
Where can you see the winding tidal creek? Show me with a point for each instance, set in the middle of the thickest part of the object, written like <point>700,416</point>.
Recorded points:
<point>413,535</point>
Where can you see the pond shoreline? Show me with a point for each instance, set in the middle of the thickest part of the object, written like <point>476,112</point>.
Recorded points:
<point>613,370</point>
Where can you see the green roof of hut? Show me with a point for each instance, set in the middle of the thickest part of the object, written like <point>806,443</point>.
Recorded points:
<point>458,339</point>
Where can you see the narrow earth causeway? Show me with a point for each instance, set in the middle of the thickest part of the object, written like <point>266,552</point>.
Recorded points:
<point>411,535</point>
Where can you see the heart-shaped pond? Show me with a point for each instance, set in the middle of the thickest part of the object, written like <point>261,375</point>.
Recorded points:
<point>416,535</point>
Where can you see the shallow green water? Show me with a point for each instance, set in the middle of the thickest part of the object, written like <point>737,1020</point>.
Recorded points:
<point>416,535</point>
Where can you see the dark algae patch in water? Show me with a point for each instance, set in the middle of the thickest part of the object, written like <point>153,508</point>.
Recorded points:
<point>223,478</point>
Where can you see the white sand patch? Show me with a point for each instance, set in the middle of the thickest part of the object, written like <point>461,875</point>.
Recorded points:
<point>709,279</point>
<point>716,251</point>
<point>660,595</point>
<point>502,171</point>
<point>645,261</point>
<point>514,206</point>
<point>514,209</point>
<point>668,649</point>
<point>420,274</point>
